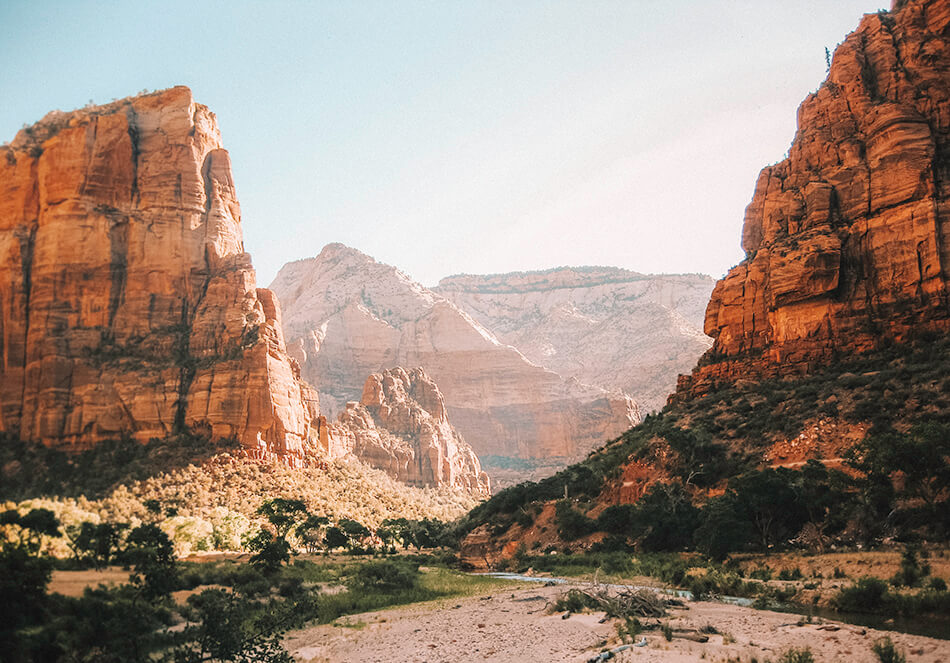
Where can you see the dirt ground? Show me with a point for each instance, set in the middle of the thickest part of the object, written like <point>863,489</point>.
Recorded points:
<point>514,626</point>
<point>878,563</point>
<point>73,583</point>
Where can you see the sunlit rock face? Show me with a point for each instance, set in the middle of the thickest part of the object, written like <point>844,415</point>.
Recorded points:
<point>347,316</point>
<point>847,240</point>
<point>127,303</point>
<point>601,325</point>
<point>400,425</point>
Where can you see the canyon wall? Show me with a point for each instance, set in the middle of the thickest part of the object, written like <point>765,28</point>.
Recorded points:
<point>601,325</point>
<point>847,240</point>
<point>347,316</point>
<point>400,425</point>
<point>127,303</point>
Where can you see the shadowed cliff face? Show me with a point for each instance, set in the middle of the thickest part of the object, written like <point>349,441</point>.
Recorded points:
<point>127,303</point>
<point>848,239</point>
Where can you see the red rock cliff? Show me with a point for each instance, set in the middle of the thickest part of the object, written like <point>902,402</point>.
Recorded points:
<point>127,302</point>
<point>847,240</point>
<point>401,426</point>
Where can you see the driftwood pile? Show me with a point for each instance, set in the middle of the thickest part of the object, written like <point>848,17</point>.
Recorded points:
<point>621,601</point>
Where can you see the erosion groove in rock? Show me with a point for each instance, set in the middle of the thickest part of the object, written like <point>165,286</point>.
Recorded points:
<point>400,425</point>
<point>847,240</point>
<point>127,303</point>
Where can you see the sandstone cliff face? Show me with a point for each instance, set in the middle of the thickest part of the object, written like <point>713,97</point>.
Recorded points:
<point>848,239</point>
<point>347,316</point>
<point>400,425</point>
<point>601,325</point>
<point>127,303</point>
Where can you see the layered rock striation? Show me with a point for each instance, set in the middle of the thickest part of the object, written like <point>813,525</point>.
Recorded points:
<point>400,425</point>
<point>847,240</point>
<point>601,325</point>
<point>347,316</point>
<point>127,303</point>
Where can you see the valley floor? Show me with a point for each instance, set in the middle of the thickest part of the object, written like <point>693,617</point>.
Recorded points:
<point>513,625</point>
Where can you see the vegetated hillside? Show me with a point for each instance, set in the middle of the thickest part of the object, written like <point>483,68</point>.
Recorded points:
<point>820,414</point>
<point>854,453</point>
<point>211,503</point>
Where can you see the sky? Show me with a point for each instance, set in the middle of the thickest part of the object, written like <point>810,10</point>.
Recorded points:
<point>449,137</point>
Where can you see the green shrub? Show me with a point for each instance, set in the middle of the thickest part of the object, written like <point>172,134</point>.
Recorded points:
<point>887,652</point>
<point>790,574</point>
<point>386,576</point>
<point>572,524</point>
<point>575,600</point>
<point>912,571</point>
<point>797,656</point>
<point>869,595</point>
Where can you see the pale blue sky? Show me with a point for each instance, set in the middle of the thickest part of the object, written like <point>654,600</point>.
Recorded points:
<point>448,137</point>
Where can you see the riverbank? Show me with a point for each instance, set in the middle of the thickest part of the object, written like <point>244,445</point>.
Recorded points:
<point>515,625</point>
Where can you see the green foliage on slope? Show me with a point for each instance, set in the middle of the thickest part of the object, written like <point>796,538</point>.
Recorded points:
<point>900,394</point>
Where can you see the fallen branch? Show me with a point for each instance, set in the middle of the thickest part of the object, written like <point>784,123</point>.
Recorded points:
<point>620,602</point>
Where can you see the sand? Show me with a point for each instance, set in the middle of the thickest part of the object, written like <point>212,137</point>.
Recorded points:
<point>513,625</point>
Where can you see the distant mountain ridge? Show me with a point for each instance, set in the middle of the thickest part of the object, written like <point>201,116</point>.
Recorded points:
<point>347,316</point>
<point>607,326</point>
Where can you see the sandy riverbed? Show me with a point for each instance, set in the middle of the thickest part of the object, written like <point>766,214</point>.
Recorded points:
<point>512,625</point>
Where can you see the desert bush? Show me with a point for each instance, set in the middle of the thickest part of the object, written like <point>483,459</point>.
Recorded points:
<point>887,652</point>
<point>869,595</point>
<point>802,655</point>
<point>386,576</point>
<point>574,600</point>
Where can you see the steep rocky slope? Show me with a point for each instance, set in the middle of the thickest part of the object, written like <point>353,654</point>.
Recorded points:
<point>400,425</point>
<point>127,303</point>
<point>347,316</point>
<point>847,240</point>
<point>831,336</point>
<point>602,325</point>
<point>128,306</point>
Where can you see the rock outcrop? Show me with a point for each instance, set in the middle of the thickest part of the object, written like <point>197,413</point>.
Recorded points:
<point>127,303</point>
<point>346,316</point>
<point>601,325</point>
<point>847,240</point>
<point>400,425</point>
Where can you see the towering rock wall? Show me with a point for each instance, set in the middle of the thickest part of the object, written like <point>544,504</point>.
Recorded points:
<point>847,240</point>
<point>601,325</point>
<point>347,316</point>
<point>400,425</point>
<point>127,302</point>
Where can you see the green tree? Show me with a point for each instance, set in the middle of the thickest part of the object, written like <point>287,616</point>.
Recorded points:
<point>271,546</point>
<point>722,528</point>
<point>94,543</point>
<point>283,514</point>
<point>665,518</point>
<point>336,538</point>
<point>229,627</point>
<point>356,532</point>
<point>24,576</point>
<point>152,554</point>
<point>270,552</point>
<point>766,499</point>
<point>312,531</point>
